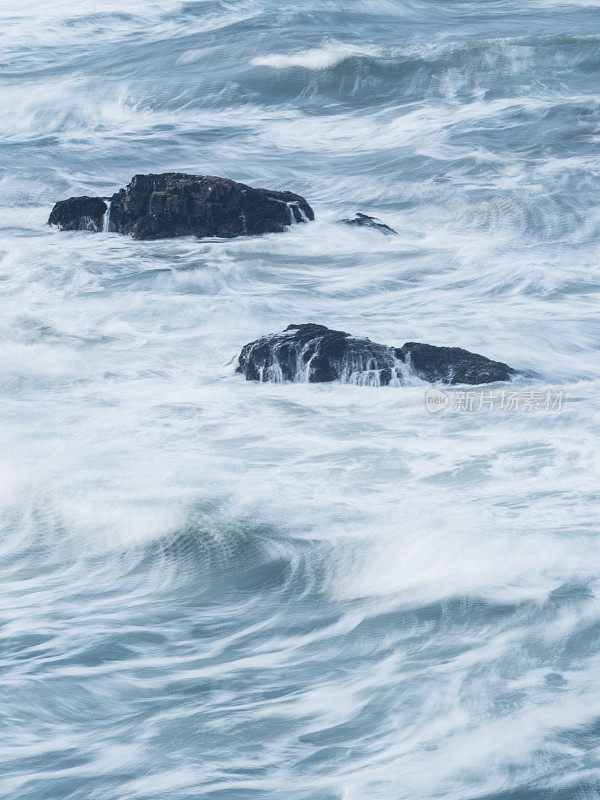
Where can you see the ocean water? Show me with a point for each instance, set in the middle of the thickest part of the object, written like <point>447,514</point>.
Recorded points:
<point>224,590</point>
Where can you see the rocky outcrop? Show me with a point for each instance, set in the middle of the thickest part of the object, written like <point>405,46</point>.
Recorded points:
<point>364,221</point>
<point>315,354</point>
<point>78,214</point>
<point>451,364</point>
<point>175,204</point>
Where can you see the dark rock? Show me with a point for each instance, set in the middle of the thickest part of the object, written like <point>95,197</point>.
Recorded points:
<point>174,204</point>
<point>364,221</point>
<point>315,354</point>
<point>452,364</point>
<point>78,214</point>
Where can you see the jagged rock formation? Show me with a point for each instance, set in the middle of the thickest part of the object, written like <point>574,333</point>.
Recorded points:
<point>315,354</point>
<point>175,204</point>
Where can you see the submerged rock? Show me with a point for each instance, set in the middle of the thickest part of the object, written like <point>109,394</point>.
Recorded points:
<point>315,354</point>
<point>364,221</point>
<point>175,204</point>
<point>78,214</point>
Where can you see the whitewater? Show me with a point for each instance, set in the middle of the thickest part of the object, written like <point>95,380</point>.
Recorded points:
<point>215,588</point>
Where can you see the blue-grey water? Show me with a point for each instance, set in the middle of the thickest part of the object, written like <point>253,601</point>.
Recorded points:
<point>232,591</point>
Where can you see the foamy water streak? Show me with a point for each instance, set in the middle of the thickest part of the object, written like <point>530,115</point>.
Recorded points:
<point>318,58</point>
<point>227,589</point>
<point>106,224</point>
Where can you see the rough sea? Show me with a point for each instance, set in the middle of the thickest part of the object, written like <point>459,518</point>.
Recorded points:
<point>219,589</point>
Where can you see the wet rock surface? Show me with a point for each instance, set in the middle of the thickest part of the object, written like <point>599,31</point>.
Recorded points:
<point>452,364</point>
<point>78,214</point>
<point>176,204</point>
<point>315,354</point>
<point>365,221</point>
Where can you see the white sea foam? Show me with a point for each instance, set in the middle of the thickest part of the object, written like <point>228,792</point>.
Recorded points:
<point>224,588</point>
<point>317,58</point>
